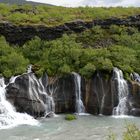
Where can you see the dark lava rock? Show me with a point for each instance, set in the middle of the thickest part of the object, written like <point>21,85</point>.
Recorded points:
<point>15,34</point>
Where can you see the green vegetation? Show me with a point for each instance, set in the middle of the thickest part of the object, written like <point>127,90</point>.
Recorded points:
<point>52,15</point>
<point>70,117</point>
<point>94,50</point>
<point>131,133</point>
<point>12,62</point>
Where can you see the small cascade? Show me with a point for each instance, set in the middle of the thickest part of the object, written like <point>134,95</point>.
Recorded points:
<point>51,104</point>
<point>79,103</point>
<point>33,91</point>
<point>13,78</point>
<point>101,100</point>
<point>29,69</point>
<point>122,88</point>
<point>50,109</point>
<point>135,76</point>
<point>8,116</point>
<point>35,88</point>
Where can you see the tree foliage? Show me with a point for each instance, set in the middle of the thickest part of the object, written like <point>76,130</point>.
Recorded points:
<point>11,61</point>
<point>76,52</point>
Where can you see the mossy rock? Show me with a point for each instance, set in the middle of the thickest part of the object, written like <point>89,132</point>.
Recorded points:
<point>70,117</point>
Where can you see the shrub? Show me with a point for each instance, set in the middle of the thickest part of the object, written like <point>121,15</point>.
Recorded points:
<point>70,117</point>
<point>12,62</point>
<point>131,133</point>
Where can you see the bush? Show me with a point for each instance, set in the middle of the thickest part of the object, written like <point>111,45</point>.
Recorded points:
<point>76,52</point>
<point>131,133</point>
<point>12,62</point>
<point>70,117</point>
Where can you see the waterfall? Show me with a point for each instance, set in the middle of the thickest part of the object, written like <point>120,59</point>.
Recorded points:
<point>29,69</point>
<point>135,76</point>
<point>79,103</point>
<point>8,116</point>
<point>33,91</point>
<point>122,88</point>
<point>36,87</point>
<point>50,101</point>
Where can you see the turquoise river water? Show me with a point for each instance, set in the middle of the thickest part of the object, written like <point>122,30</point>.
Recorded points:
<point>84,128</point>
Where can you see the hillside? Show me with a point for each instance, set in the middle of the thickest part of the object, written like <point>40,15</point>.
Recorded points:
<point>54,16</point>
<point>60,40</point>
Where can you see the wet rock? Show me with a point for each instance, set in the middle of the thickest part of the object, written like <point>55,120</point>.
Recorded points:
<point>135,112</point>
<point>134,98</point>
<point>24,99</point>
<point>64,96</point>
<point>50,115</point>
<point>57,94</point>
<point>100,94</point>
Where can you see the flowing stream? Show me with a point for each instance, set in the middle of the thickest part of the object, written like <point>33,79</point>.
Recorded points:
<point>84,128</point>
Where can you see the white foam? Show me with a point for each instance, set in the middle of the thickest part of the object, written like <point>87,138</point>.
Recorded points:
<point>122,116</point>
<point>8,115</point>
<point>84,114</point>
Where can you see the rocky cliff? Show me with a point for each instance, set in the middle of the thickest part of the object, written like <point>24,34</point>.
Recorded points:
<point>102,94</point>
<point>19,34</point>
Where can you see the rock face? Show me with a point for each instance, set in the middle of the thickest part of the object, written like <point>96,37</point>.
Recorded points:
<point>100,94</point>
<point>27,96</point>
<point>39,97</point>
<point>20,34</point>
<point>134,98</point>
<point>64,96</point>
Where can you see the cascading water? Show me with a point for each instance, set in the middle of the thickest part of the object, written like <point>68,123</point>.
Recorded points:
<point>122,88</point>
<point>135,76</point>
<point>8,116</point>
<point>35,87</point>
<point>101,100</point>
<point>50,104</point>
<point>29,69</point>
<point>79,103</point>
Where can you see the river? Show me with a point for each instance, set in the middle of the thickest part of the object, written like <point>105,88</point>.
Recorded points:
<point>84,128</point>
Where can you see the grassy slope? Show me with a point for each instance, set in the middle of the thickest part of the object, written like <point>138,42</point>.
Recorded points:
<point>52,15</point>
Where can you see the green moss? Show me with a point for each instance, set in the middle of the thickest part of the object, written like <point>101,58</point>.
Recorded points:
<point>70,117</point>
